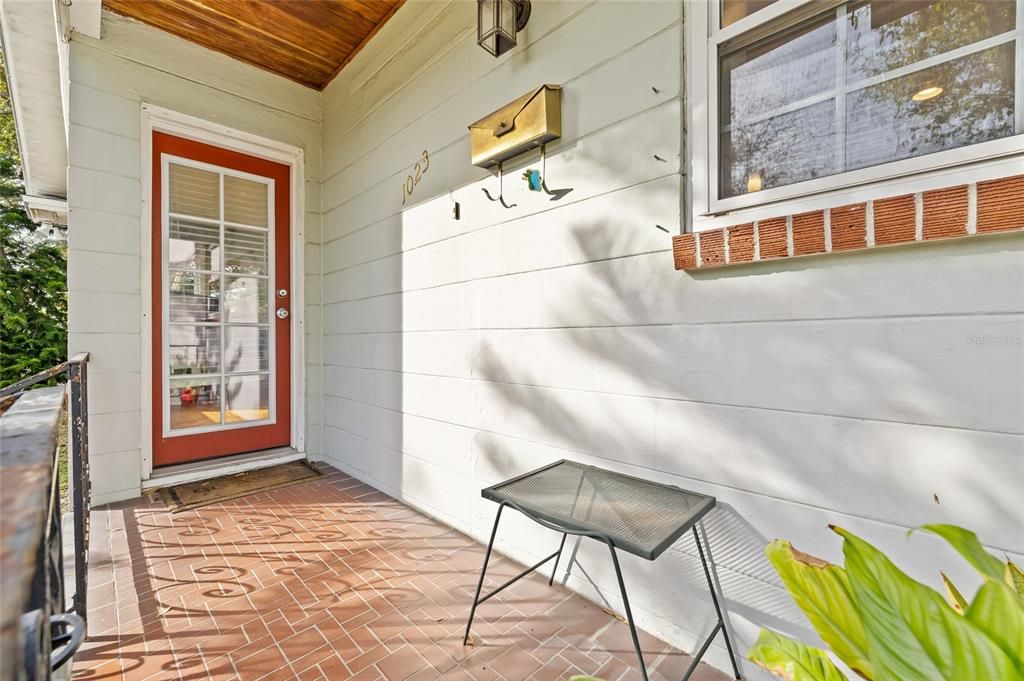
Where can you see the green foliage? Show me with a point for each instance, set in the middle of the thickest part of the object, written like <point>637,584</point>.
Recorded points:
<point>789,659</point>
<point>888,627</point>
<point>968,545</point>
<point>822,591</point>
<point>33,265</point>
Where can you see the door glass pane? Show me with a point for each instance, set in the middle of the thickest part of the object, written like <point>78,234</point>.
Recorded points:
<point>218,335</point>
<point>246,348</point>
<point>193,245</point>
<point>247,398</point>
<point>193,191</point>
<point>245,201</point>
<point>194,297</point>
<point>194,348</point>
<point>194,402</point>
<point>246,250</point>
<point>245,299</point>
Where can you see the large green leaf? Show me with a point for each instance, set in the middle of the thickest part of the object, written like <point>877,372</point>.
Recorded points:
<point>1014,577</point>
<point>822,591</point>
<point>792,660</point>
<point>913,635</point>
<point>969,546</point>
<point>999,612</point>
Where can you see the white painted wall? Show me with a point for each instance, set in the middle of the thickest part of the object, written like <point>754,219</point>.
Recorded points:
<point>848,389</point>
<point>110,80</point>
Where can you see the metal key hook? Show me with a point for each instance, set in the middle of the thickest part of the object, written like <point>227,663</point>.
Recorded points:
<point>555,194</point>
<point>501,197</point>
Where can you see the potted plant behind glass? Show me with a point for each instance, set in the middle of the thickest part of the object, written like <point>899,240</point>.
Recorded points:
<point>180,366</point>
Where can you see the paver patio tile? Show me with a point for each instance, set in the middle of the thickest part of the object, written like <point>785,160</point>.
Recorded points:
<point>329,580</point>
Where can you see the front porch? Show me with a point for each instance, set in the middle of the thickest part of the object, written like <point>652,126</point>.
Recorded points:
<point>330,579</point>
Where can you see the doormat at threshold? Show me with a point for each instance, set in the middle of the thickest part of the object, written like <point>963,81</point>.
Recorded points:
<point>205,492</point>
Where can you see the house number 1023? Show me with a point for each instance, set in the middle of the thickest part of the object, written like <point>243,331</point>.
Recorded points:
<point>412,180</point>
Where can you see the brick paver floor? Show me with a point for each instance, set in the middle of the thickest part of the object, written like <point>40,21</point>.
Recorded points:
<point>330,579</point>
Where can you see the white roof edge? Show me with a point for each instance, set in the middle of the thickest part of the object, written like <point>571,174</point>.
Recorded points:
<point>32,50</point>
<point>11,87</point>
<point>45,209</point>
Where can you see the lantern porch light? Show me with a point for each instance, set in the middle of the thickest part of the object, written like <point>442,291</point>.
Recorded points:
<point>498,21</point>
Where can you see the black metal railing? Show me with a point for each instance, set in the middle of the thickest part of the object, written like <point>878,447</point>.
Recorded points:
<point>78,463</point>
<point>40,631</point>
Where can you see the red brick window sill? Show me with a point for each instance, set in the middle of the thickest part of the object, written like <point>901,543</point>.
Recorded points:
<point>961,211</point>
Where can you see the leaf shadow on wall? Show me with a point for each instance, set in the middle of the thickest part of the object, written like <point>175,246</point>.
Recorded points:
<point>590,428</point>
<point>628,343</point>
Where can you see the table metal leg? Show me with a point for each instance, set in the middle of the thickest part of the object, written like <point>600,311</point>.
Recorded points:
<point>477,600</point>
<point>483,571</point>
<point>629,613</point>
<point>718,609</point>
<point>558,558</point>
<point>720,625</point>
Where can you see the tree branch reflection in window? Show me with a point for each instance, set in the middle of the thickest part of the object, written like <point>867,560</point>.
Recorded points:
<point>868,83</point>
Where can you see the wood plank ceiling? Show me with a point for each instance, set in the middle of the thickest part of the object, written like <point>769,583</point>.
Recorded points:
<point>308,41</point>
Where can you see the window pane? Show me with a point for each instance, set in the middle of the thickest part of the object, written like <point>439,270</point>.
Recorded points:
<point>893,85</point>
<point>974,103</point>
<point>194,403</point>
<point>247,398</point>
<point>193,245</point>
<point>245,299</point>
<point>761,78</point>
<point>792,147</point>
<point>193,297</point>
<point>734,10</point>
<point>246,250</point>
<point>884,35</point>
<point>192,191</point>
<point>246,348</point>
<point>245,201</point>
<point>193,349</point>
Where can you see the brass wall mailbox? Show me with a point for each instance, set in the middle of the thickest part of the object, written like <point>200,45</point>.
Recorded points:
<point>521,125</point>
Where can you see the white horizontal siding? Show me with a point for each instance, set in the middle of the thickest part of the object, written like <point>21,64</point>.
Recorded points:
<point>104,232</point>
<point>104,151</point>
<point>734,364</point>
<point>845,389</point>
<point>122,478</point>
<point>110,392</point>
<point>110,80</point>
<point>96,271</point>
<point>108,352</point>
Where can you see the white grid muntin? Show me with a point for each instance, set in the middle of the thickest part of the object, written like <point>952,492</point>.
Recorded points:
<point>165,162</point>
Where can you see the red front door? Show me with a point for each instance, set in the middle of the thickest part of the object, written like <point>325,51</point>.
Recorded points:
<point>221,302</point>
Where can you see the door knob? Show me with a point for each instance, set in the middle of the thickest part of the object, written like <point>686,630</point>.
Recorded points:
<point>282,313</point>
<point>282,293</point>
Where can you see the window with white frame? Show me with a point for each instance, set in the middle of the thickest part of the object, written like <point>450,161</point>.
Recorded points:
<point>810,96</point>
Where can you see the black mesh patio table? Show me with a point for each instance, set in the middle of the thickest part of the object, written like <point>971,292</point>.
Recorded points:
<point>630,514</point>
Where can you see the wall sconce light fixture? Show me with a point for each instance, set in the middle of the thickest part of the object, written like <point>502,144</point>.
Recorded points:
<point>498,21</point>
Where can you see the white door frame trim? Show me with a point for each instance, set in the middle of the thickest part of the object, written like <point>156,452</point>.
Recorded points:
<point>155,118</point>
